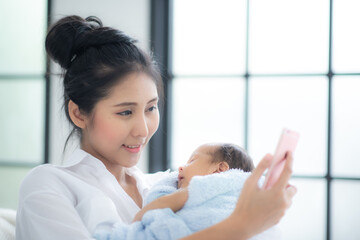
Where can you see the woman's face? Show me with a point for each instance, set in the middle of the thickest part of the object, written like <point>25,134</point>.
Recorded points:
<point>122,124</point>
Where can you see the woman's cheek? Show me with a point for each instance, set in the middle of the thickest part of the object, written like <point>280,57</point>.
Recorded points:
<point>154,124</point>
<point>109,131</point>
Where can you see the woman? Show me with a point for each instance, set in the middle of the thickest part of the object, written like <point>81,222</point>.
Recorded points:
<point>111,93</point>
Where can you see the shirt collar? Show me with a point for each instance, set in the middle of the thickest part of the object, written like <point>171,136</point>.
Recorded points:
<point>76,157</point>
<point>80,156</point>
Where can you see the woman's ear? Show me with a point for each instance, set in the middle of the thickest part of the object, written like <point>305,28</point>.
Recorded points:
<point>222,167</point>
<point>76,116</point>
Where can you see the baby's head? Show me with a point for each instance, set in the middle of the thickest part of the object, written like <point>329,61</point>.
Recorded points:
<point>214,158</point>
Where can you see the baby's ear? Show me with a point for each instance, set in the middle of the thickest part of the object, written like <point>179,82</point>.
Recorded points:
<point>222,167</point>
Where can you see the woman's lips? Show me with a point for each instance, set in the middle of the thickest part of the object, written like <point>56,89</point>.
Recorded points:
<point>132,148</point>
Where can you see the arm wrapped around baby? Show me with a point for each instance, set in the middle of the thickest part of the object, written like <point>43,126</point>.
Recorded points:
<point>211,199</point>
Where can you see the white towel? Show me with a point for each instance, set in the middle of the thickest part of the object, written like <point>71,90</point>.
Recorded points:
<point>212,198</point>
<point>7,224</point>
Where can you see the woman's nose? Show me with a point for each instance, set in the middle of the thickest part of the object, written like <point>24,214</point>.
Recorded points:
<point>181,168</point>
<point>140,128</point>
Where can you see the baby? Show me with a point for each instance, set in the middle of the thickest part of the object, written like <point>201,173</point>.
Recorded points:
<point>207,159</point>
<point>202,193</point>
<point>214,158</point>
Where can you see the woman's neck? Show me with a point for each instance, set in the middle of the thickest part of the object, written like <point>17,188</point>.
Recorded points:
<point>127,182</point>
<point>119,173</point>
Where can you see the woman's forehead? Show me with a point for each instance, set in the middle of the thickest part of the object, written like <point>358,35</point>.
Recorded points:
<point>134,86</point>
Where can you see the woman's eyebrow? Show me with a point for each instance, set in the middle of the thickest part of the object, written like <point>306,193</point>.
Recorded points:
<point>125,104</point>
<point>153,100</point>
<point>134,103</point>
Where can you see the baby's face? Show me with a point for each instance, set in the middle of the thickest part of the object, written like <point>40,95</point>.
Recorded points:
<point>199,164</point>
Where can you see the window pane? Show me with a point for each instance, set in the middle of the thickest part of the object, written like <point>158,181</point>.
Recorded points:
<point>10,180</point>
<point>345,210</point>
<point>305,219</point>
<point>296,103</point>
<point>346,128</point>
<point>346,36</point>
<point>209,37</point>
<point>206,110</point>
<point>23,23</point>
<point>289,36</point>
<point>22,120</point>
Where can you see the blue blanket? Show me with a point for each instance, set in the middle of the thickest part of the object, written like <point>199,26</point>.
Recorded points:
<point>212,198</point>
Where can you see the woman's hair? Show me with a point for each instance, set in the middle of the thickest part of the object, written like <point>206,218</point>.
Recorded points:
<point>94,58</point>
<point>235,156</point>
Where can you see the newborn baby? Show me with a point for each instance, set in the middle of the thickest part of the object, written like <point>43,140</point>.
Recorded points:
<point>207,159</point>
<point>202,193</point>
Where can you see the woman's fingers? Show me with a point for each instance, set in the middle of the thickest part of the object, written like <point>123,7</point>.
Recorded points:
<point>260,168</point>
<point>286,173</point>
<point>259,208</point>
<point>291,191</point>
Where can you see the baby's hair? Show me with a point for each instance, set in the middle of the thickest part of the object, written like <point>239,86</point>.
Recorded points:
<point>235,156</point>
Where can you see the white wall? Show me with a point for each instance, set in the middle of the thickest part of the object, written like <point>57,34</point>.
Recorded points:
<point>130,16</point>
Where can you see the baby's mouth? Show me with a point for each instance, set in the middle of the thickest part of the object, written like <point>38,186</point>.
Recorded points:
<point>180,180</point>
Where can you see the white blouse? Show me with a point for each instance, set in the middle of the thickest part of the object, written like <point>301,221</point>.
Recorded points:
<point>67,202</point>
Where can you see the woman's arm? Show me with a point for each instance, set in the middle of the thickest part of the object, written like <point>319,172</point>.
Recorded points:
<point>257,209</point>
<point>50,209</point>
<point>175,201</point>
<point>48,216</point>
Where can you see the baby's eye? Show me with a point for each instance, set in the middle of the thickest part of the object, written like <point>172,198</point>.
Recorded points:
<point>125,113</point>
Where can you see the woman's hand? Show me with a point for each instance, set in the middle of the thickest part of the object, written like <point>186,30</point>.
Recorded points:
<point>258,209</point>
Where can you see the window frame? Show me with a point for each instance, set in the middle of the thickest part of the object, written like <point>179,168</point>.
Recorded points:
<point>161,38</point>
<point>46,78</point>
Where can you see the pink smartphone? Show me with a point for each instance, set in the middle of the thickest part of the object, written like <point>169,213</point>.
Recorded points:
<point>287,142</point>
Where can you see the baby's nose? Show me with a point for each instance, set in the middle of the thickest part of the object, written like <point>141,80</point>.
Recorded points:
<point>181,168</point>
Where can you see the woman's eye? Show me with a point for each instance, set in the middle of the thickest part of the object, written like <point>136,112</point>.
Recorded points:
<point>125,113</point>
<point>153,108</point>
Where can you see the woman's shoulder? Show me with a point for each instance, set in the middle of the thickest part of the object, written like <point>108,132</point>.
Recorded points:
<point>50,175</point>
<point>46,177</point>
<point>44,170</point>
<point>41,172</point>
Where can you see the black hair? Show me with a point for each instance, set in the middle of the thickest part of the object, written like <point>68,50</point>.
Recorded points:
<point>235,156</point>
<point>94,58</point>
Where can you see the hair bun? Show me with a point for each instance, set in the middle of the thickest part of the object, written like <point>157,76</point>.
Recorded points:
<point>72,35</point>
<point>64,36</point>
